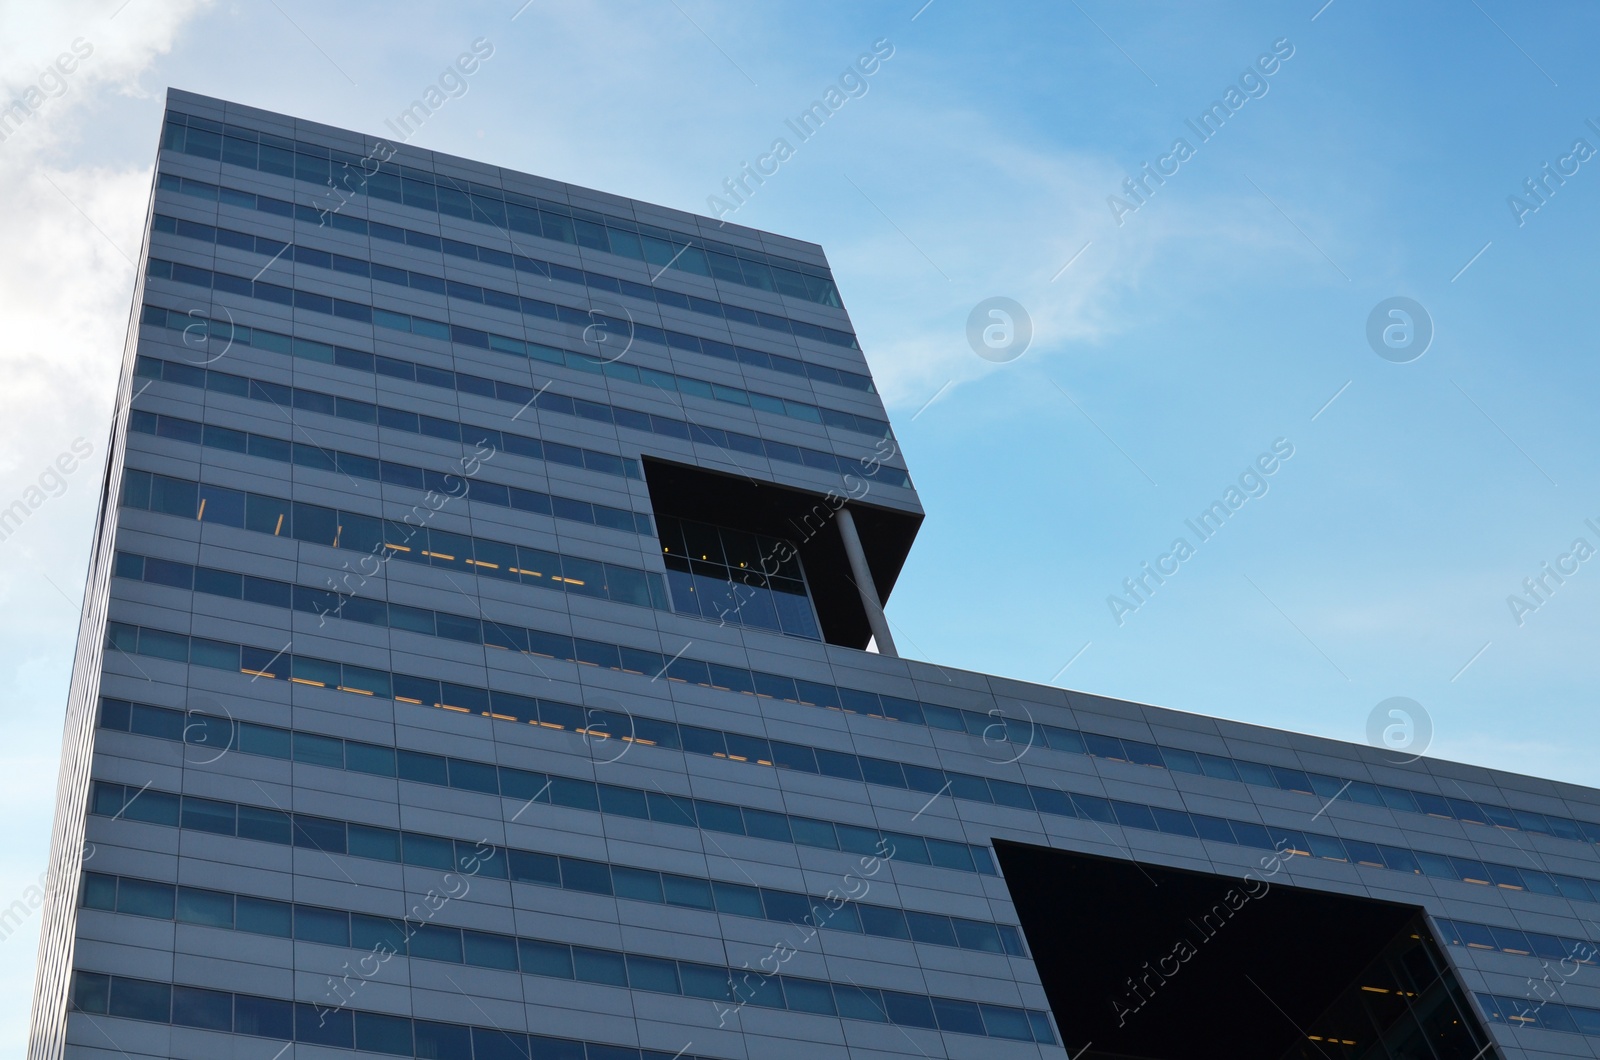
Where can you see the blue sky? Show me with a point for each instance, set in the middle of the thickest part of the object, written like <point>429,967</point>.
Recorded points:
<point>1217,318</point>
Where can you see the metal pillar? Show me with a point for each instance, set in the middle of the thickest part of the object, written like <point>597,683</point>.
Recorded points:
<point>864,585</point>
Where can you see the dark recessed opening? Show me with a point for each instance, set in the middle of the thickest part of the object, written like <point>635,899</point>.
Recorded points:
<point>1142,962</point>
<point>805,520</point>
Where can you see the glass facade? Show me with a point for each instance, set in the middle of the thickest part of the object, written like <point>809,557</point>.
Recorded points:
<point>597,770</point>
<point>323,168</point>
<point>1405,1004</point>
<point>736,577</point>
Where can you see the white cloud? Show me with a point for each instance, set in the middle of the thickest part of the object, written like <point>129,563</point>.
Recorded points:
<point>70,227</point>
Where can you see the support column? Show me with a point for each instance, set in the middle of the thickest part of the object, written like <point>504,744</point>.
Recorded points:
<point>869,592</point>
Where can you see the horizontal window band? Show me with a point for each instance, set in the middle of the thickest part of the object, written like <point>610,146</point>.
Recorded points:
<point>135,896</point>
<point>1054,801</point>
<point>382,539</point>
<point>998,727</point>
<point>152,806</point>
<point>389,472</point>
<point>340,1026</point>
<point>606,581</point>
<point>196,327</point>
<point>1517,942</point>
<point>1524,1012</point>
<point>124,997</point>
<point>522,213</point>
<point>284,397</point>
<point>602,323</point>
<point>360,312</point>
<point>750,601</point>
<point>538,269</point>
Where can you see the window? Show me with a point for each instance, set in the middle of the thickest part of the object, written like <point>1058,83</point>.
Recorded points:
<point>704,981</point>
<point>208,1009</point>
<point>90,991</point>
<point>1002,1022</point>
<point>738,900</point>
<point>262,1016</point>
<point>580,875</point>
<point>685,891</point>
<point>726,575</point>
<point>262,916</point>
<point>140,1000</point>
<point>435,943</point>
<point>372,932</point>
<point>490,951</point>
<point>653,973</point>
<point>384,1034</point>
<point>910,1010</point>
<point>545,958</point>
<point>490,1044</point>
<point>638,884</point>
<point>930,928</point>
<point>327,926</point>
<point>599,966</point>
<point>143,898</point>
<point>884,922</point>
<point>961,1017</point>
<point>99,891</point>
<point>859,1003</point>
<point>211,908</point>
<point>271,826</point>
<point>324,1026</point>
<point>208,815</point>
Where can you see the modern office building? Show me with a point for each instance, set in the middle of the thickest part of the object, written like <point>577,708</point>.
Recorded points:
<point>478,662</point>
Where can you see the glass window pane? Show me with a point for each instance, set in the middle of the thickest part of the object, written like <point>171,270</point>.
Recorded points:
<point>140,1000</point>
<point>718,817</point>
<point>489,1044</point>
<point>436,943</point>
<point>808,995</point>
<point>442,1041</point>
<point>372,932</point>
<point>530,867</point>
<point>599,966</point>
<point>143,898</point>
<point>738,900</point>
<point>194,1007</point>
<point>429,851</point>
<point>384,1034</point>
<point>884,922</point>
<point>212,908</point>
<point>545,958</point>
<point>858,1003</point>
<point>264,1017</point>
<point>262,916</point>
<point>639,884</point>
<point>317,1025</point>
<point>910,1010</point>
<point>959,1017</point>
<point>208,815</point>
<point>270,826</point>
<point>688,892</point>
<point>329,926</point>
<point>930,928</point>
<point>580,875</point>
<point>653,973</point>
<point>704,981</point>
<point>813,833</point>
<point>99,891</point>
<point>90,991</point>
<point>490,951</point>
<point>1004,1022</point>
